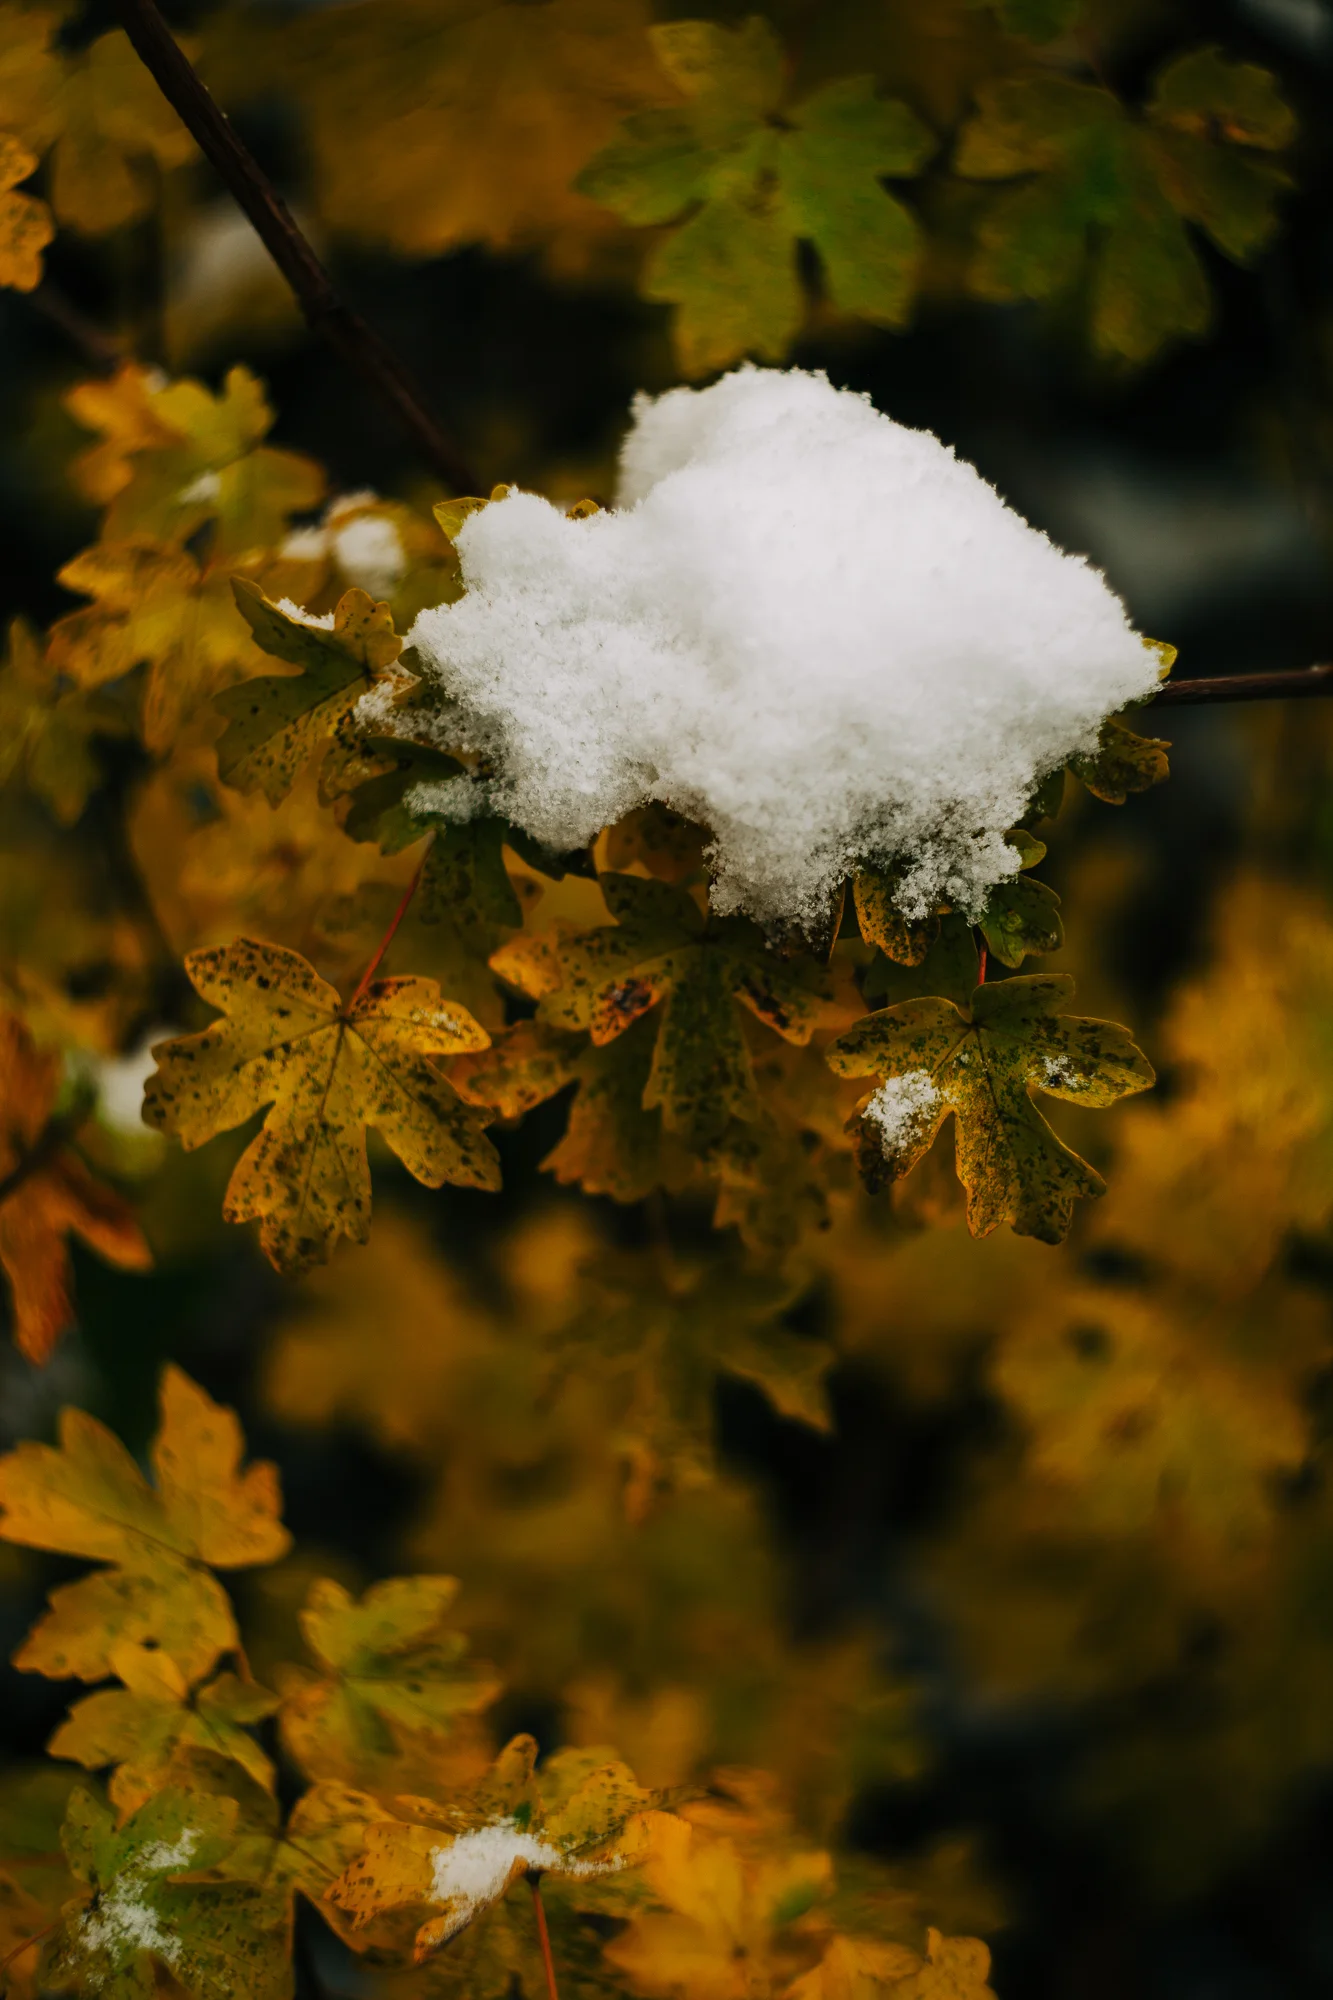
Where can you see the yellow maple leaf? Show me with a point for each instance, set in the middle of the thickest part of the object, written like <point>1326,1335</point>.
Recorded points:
<point>100,111</point>
<point>584,1816</point>
<point>326,1071</point>
<point>153,606</point>
<point>174,457</point>
<point>47,1193</point>
<point>722,1913</point>
<point>25,222</point>
<point>147,1727</point>
<point>87,1497</point>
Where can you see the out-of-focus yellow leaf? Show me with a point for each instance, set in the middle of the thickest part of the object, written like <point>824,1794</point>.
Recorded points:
<point>88,1498</point>
<point>25,222</point>
<point>47,1194</point>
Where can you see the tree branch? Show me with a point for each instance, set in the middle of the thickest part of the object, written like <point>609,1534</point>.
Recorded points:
<point>1300,684</point>
<point>328,315</point>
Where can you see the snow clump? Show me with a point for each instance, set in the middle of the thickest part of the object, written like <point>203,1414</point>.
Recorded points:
<point>477,1867</point>
<point>812,629</point>
<point>901,1109</point>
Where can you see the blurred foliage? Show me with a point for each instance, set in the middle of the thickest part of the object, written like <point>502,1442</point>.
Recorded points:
<point>920,1579</point>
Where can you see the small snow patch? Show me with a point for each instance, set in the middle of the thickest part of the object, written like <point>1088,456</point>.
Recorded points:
<point>369,551</point>
<point>816,631</point>
<point>1059,1073</point>
<point>122,1922</point>
<point>300,616</point>
<point>901,1109</point>
<point>477,1867</point>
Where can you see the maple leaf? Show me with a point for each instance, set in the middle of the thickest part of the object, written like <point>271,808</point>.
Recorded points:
<point>855,1968</point>
<point>660,1340</point>
<point>277,723</point>
<point>87,1497</point>
<point>175,457</point>
<point>35,1881</point>
<point>1021,915</point>
<point>144,1726</point>
<point>721,1915</point>
<point>515,101</point>
<point>393,1682</point>
<point>755,177</point>
<point>326,1071</point>
<point>46,728</point>
<point>146,1906</point>
<point>1102,191</point>
<point>25,222</point>
<point>463,874</point>
<point>47,1194</point>
<point>1123,763</point>
<point>661,948</point>
<point>584,1816</point>
<point>153,605</point>
<point>982,1065</point>
<point>99,109</point>
<point>612,1145</point>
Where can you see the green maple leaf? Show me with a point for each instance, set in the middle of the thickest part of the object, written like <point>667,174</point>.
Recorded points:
<point>750,177</point>
<point>1104,195</point>
<point>1021,915</point>
<point>392,1675</point>
<point>47,727</point>
<point>1123,763</point>
<point>277,723</point>
<point>982,1065</point>
<point>660,1342</point>
<point>661,949</point>
<point>143,1910</point>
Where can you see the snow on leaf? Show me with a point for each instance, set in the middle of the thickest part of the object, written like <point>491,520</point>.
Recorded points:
<point>326,1071</point>
<point>152,1905</point>
<point>47,1194</point>
<point>277,723</point>
<point>582,1816</point>
<point>392,1677</point>
<point>87,1497</point>
<point>984,1066</point>
<point>665,649</point>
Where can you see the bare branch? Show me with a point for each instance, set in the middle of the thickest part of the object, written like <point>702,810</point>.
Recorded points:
<point>1302,684</point>
<point>327,314</point>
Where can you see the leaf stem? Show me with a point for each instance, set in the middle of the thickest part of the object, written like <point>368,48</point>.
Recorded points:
<point>25,1944</point>
<point>544,1937</point>
<point>981,962</point>
<point>388,938</point>
<point>326,313</point>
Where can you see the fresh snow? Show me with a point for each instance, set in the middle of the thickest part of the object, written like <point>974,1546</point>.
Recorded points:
<point>901,1109</point>
<point>475,1868</point>
<point>817,632</point>
<point>121,1921</point>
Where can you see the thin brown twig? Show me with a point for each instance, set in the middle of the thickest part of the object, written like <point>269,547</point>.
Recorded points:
<point>101,350</point>
<point>388,938</point>
<point>26,1944</point>
<point>1302,683</point>
<point>544,1937</point>
<point>326,313</point>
